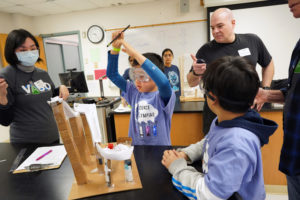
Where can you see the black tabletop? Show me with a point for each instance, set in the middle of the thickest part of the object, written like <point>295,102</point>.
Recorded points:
<point>56,184</point>
<point>197,107</point>
<point>48,184</point>
<point>188,106</point>
<point>180,107</point>
<point>100,102</point>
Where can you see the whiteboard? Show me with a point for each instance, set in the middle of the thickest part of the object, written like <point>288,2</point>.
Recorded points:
<point>182,38</point>
<point>277,28</point>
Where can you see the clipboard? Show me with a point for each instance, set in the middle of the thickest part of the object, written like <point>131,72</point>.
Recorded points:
<point>53,159</point>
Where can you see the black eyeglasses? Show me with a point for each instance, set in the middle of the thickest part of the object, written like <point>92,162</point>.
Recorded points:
<point>240,104</point>
<point>206,94</point>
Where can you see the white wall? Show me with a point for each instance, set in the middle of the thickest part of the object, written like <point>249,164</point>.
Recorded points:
<point>277,28</point>
<point>156,12</point>
<point>279,32</point>
<point>8,22</point>
<point>213,3</point>
<point>6,25</point>
<point>162,11</point>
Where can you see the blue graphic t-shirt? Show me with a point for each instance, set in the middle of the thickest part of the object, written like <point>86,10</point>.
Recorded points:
<point>173,75</point>
<point>150,119</point>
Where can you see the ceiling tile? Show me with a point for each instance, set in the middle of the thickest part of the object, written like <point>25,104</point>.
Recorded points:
<point>11,9</point>
<point>102,3</point>
<point>24,2</point>
<point>6,4</point>
<point>31,12</point>
<point>50,8</point>
<point>21,10</point>
<point>76,4</point>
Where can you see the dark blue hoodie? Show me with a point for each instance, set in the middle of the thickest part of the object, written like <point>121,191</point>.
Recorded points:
<point>232,156</point>
<point>252,121</point>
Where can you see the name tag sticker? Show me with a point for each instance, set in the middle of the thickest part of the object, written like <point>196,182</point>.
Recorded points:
<point>244,52</point>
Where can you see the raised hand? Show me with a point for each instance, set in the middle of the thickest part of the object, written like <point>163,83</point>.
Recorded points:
<point>3,91</point>
<point>63,92</point>
<point>118,42</point>
<point>199,68</point>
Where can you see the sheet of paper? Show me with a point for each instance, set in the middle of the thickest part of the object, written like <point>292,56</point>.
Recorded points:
<point>90,112</point>
<point>121,108</point>
<point>56,156</point>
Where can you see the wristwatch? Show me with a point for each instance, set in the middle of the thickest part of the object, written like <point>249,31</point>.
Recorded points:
<point>195,73</point>
<point>266,88</point>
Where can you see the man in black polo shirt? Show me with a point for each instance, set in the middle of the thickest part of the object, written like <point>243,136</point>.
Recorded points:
<point>228,43</point>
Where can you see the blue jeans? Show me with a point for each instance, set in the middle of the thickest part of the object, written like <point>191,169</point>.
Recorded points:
<point>293,187</point>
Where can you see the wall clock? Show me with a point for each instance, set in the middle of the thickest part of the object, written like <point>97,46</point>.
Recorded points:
<point>95,34</point>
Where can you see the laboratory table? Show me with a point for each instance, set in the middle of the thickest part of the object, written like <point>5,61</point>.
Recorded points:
<point>56,184</point>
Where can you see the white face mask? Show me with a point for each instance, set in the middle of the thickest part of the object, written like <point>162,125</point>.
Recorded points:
<point>28,58</point>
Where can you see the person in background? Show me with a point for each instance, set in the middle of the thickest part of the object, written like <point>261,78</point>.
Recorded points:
<point>150,95</point>
<point>132,63</point>
<point>290,152</point>
<point>172,71</point>
<point>126,76</point>
<point>25,90</point>
<point>231,151</point>
<point>227,43</point>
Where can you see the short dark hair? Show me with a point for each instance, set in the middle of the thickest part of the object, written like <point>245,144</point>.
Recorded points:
<point>134,62</point>
<point>14,40</point>
<point>234,81</point>
<point>165,50</point>
<point>156,59</point>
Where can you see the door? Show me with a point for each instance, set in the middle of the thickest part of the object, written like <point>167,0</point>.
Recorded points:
<point>55,61</point>
<point>71,57</point>
<point>63,52</point>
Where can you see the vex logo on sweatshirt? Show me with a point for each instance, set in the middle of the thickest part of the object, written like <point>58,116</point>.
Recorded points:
<point>36,87</point>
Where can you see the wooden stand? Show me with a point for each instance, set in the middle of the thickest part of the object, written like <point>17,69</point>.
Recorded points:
<point>76,136</point>
<point>88,134</point>
<point>96,182</point>
<point>184,99</point>
<point>69,143</point>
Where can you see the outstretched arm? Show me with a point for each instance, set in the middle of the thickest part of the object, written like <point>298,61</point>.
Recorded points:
<point>112,65</point>
<point>263,96</point>
<point>160,79</point>
<point>267,74</point>
<point>153,71</point>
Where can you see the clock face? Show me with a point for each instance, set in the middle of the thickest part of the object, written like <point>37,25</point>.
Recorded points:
<point>95,34</point>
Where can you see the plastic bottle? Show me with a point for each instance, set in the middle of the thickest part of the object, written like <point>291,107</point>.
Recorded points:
<point>128,170</point>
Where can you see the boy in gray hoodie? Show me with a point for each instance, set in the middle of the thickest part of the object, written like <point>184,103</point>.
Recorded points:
<point>230,152</point>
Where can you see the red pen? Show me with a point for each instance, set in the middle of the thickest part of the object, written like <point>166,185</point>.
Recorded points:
<point>42,156</point>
